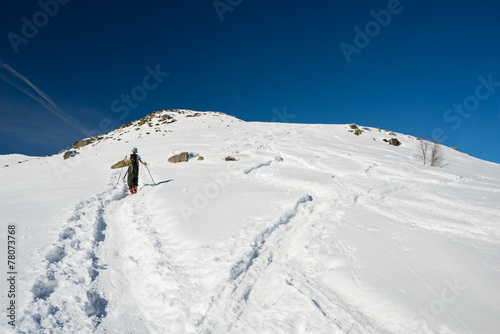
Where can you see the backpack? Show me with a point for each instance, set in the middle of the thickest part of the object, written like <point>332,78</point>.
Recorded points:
<point>134,161</point>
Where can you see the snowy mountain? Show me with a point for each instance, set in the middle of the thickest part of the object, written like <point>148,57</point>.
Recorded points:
<point>311,230</point>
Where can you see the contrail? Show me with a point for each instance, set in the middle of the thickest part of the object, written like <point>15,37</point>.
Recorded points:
<point>38,96</point>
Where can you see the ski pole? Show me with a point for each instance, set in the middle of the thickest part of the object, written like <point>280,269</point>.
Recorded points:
<point>125,174</point>
<point>150,175</point>
<point>121,170</point>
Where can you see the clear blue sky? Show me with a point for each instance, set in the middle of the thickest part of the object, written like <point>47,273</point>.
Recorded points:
<point>247,58</point>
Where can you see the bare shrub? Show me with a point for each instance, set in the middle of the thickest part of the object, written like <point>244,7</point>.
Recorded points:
<point>430,152</point>
<point>437,156</point>
<point>422,150</point>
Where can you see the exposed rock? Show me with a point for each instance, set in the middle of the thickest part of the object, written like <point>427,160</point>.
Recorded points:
<point>200,158</point>
<point>68,154</point>
<point>194,115</point>
<point>454,148</point>
<point>392,134</point>
<point>357,132</point>
<point>353,126</point>
<point>230,158</point>
<point>171,121</point>
<point>394,141</point>
<point>181,157</point>
<point>120,164</point>
<point>81,143</point>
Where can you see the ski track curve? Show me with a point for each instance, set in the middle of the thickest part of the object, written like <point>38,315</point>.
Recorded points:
<point>339,316</point>
<point>67,298</point>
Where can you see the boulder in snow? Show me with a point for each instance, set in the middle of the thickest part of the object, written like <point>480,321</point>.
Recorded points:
<point>69,154</point>
<point>394,141</point>
<point>81,143</point>
<point>181,157</point>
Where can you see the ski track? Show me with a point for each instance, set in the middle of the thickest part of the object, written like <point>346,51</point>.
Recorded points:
<point>340,317</point>
<point>165,292</point>
<point>67,297</point>
<point>235,293</point>
<point>265,164</point>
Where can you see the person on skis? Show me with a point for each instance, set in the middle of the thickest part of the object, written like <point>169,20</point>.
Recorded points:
<point>133,170</point>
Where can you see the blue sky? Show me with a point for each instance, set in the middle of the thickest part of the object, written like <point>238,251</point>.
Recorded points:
<point>419,67</point>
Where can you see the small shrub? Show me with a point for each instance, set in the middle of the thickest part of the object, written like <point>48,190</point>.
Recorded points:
<point>430,153</point>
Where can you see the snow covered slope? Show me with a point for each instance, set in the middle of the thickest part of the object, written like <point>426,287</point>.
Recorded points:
<point>311,230</point>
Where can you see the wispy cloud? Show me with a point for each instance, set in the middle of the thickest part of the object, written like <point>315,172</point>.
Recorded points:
<point>21,83</point>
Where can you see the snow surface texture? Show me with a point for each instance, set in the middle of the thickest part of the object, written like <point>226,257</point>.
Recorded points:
<point>311,230</point>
